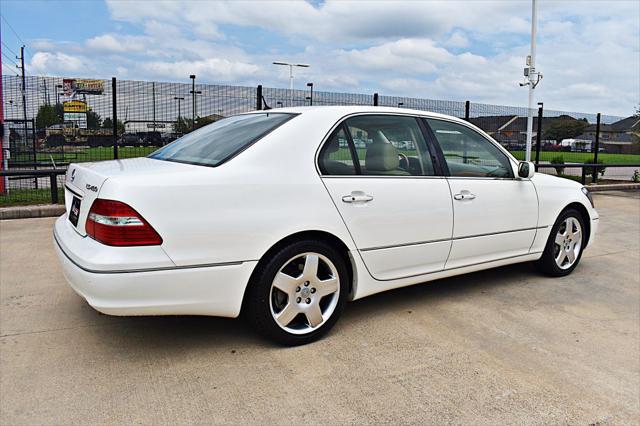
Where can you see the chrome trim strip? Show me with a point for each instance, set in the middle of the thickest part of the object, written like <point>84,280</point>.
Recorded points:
<point>127,271</point>
<point>450,239</point>
<point>72,191</point>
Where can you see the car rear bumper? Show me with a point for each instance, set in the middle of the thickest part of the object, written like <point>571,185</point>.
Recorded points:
<point>166,290</point>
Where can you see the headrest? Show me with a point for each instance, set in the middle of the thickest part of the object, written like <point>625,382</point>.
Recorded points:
<point>382,157</point>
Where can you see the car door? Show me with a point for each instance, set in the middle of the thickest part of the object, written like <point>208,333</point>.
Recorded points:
<point>495,214</point>
<point>380,174</point>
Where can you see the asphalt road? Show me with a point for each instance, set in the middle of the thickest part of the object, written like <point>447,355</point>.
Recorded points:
<point>504,346</point>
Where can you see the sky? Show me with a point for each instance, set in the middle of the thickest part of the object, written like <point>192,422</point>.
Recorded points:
<point>588,51</point>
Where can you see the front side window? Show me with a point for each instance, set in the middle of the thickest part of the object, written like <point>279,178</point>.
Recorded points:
<point>467,153</point>
<point>214,144</point>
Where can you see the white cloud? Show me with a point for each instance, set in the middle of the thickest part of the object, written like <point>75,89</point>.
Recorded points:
<point>47,63</point>
<point>589,53</point>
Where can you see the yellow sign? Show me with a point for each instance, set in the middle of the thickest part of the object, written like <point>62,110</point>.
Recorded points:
<point>74,106</point>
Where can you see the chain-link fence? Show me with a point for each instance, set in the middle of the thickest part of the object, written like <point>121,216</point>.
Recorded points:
<point>61,121</point>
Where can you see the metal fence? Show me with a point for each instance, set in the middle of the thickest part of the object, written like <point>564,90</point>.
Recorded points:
<point>55,126</point>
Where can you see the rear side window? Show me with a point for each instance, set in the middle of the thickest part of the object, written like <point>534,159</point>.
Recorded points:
<point>219,141</point>
<point>335,157</point>
<point>378,145</point>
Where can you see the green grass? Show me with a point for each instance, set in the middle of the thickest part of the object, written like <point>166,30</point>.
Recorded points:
<point>80,154</point>
<point>23,197</point>
<point>582,157</point>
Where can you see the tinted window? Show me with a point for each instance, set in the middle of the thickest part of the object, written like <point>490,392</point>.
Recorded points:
<point>335,157</point>
<point>390,145</point>
<point>215,143</point>
<point>469,154</point>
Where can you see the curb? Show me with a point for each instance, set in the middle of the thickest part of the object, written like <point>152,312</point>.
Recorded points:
<point>27,212</point>
<point>614,187</point>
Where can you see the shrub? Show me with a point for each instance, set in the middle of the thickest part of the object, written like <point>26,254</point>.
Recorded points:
<point>636,176</point>
<point>558,159</point>
<point>589,170</point>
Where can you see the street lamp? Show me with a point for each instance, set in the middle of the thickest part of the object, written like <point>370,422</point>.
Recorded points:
<point>178,98</point>
<point>310,86</point>
<point>193,96</point>
<point>291,75</point>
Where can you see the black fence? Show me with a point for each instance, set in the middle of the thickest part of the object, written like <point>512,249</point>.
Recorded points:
<point>63,122</point>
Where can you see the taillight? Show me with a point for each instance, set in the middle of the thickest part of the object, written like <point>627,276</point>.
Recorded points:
<point>116,224</point>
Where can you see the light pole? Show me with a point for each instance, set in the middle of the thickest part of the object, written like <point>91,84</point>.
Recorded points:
<point>532,77</point>
<point>58,87</point>
<point>178,98</point>
<point>291,75</point>
<point>310,86</point>
<point>193,99</point>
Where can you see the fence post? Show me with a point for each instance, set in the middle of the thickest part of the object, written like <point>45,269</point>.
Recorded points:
<point>114,118</point>
<point>53,183</point>
<point>597,148</point>
<point>259,97</point>
<point>539,132</point>
<point>34,148</point>
<point>467,108</point>
<point>375,99</point>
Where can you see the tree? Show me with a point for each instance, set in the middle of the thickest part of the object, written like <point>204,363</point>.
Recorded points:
<point>93,120</point>
<point>108,124</point>
<point>48,115</point>
<point>565,127</point>
<point>184,125</point>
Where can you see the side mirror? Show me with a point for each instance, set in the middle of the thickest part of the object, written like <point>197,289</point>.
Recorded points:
<point>526,169</point>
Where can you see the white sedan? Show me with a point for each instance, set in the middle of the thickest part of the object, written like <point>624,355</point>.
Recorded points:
<point>279,215</point>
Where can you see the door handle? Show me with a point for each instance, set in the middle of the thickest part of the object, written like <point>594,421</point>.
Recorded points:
<point>464,195</point>
<point>357,197</point>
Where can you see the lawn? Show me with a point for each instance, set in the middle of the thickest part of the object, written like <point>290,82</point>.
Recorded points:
<point>79,154</point>
<point>582,157</point>
<point>23,197</point>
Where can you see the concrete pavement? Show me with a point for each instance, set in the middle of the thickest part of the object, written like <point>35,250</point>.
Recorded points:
<point>502,346</point>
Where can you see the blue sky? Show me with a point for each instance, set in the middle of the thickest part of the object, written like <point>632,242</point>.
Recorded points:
<point>589,52</point>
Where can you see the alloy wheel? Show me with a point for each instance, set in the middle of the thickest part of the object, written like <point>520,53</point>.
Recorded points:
<point>568,243</point>
<point>304,293</point>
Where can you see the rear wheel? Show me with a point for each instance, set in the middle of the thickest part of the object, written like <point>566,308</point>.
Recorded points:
<point>298,294</point>
<point>564,246</point>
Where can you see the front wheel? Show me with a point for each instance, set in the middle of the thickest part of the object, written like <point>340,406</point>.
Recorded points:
<point>298,294</point>
<point>564,246</point>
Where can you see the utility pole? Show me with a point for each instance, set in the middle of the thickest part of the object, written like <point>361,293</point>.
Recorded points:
<point>532,77</point>
<point>24,112</point>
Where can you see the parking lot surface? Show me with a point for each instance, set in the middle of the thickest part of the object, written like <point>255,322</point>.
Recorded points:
<point>500,346</point>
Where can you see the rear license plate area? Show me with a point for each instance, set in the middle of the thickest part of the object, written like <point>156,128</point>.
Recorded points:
<point>74,212</point>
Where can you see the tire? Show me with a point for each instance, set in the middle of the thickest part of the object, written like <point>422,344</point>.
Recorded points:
<point>554,250</point>
<point>283,298</point>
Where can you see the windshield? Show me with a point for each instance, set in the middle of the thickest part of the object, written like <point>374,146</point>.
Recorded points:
<point>214,144</point>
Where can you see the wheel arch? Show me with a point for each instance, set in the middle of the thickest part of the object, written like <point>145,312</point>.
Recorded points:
<point>585,218</point>
<point>324,236</point>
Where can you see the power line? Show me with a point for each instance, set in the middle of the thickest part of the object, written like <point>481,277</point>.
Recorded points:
<point>9,59</point>
<point>9,49</point>
<point>11,28</point>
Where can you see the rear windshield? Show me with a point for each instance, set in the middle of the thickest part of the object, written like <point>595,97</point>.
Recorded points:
<point>214,144</point>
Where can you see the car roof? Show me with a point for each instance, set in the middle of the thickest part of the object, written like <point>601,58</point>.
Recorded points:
<point>343,110</point>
